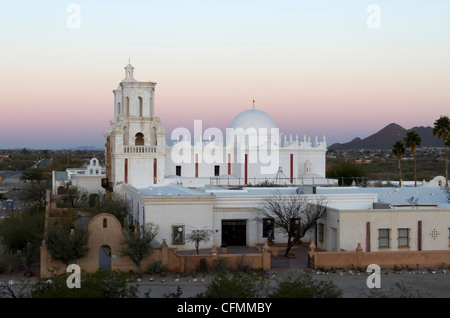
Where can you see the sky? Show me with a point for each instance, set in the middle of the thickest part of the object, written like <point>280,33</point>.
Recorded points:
<point>339,68</point>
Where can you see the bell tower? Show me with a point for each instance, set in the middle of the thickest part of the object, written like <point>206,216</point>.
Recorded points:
<point>135,138</point>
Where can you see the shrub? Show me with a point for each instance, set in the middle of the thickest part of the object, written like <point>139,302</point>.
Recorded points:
<point>300,284</point>
<point>236,285</point>
<point>156,268</point>
<point>220,264</point>
<point>66,246</point>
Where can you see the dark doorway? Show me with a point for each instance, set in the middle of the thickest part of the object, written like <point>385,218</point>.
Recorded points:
<point>104,257</point>
<point>234,232</point>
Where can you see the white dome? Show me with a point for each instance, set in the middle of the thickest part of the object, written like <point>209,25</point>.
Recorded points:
<point>253,118</point>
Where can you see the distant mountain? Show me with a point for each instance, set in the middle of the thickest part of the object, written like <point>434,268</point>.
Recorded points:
<point>386,137</point>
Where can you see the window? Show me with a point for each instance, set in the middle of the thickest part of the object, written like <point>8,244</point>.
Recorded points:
<point>178,235</point>
<point>320,232</point>
<point>216,171</point>
<point>383,238</point>
<point>268,227</point>
<point>178,171</point>
<point>403,237</point>
<point>105,223</point>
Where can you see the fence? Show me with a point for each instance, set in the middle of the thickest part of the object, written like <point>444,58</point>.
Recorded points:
<point>267,182</point>
<point>360,259</point>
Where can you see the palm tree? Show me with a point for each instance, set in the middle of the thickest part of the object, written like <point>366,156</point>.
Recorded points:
<point>398,149</point>
<point>441,129</point>
<point>412,141</point>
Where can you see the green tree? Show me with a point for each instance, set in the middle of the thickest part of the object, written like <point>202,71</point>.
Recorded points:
<point>412,141</point>
<point>398,149</point>
<point>198,236</point>
<point>137,244</point>
<point>301,284</point>
<point>20,229</point>
<point>34,175</point>
<point>113,203</point>
<point>294,215</point>
<point>35,192</point>
<point>67,245</point>
<point>441,129</point>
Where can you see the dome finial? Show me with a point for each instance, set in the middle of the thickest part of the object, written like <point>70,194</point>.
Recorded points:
<point>253,104</point>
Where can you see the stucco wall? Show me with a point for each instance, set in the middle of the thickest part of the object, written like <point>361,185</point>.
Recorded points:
<point>353,228</point>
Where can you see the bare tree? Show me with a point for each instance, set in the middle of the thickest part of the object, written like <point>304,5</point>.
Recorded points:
<point>293,214</point>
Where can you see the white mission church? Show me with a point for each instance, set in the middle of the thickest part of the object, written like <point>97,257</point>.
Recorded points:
<point>211,182</point>
<point>173,185</point>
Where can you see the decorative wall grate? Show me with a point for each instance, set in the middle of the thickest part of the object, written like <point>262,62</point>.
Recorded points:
<point>434,234</point>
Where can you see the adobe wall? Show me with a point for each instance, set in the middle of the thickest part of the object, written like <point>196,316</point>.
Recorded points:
<point>111,235</point>
<point>359,258</point>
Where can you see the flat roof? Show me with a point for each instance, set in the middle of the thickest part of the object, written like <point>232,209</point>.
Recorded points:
<point>431,196</point>
<point>427,196</point>
<point>169,189</point>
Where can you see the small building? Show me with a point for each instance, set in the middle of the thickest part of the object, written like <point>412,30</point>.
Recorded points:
<point>88,179</point>
<point>402,219</point>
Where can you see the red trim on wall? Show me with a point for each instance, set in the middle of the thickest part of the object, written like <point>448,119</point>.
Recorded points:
<point>196,165</point>
<point>292,168</point>
<point>229,164</point>
<point>155,171</point>
<point>419,235</point>
<point>246,168</point>
<point>126,170</point>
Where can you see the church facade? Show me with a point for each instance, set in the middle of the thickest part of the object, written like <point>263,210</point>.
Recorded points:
<point>171,185</point>
<point>253,152</point>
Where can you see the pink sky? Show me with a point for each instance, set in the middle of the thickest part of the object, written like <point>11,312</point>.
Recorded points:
<point>315,76</point>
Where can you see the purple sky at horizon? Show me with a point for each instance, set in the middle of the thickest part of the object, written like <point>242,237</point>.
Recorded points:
<point>315,67</point>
